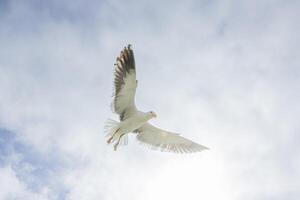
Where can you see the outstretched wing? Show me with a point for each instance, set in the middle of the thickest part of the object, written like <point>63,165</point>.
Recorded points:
<point>125,84</point>
<point>166,141</point>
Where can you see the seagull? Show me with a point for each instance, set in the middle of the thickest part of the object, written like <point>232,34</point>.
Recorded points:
<point>135,121</point>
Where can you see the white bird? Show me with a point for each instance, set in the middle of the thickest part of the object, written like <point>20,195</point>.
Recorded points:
<point>133,120</point>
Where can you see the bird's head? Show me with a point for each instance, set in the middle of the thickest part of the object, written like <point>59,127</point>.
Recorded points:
<point>152,114</point>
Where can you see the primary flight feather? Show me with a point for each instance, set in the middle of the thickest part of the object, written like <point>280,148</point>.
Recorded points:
<point>135,121</point>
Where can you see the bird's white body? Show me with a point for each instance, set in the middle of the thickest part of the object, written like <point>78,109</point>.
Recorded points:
<point>121,129</point>
<point>133,123</point>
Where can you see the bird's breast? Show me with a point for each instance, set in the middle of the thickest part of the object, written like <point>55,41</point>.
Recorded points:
<point>132,124</point>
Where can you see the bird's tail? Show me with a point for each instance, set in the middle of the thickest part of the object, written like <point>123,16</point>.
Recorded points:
<point>111,129</point>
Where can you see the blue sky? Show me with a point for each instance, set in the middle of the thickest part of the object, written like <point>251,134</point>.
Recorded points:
<point>223,73</point>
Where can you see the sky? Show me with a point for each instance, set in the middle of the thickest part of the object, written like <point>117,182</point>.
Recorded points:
<point>222,73</point>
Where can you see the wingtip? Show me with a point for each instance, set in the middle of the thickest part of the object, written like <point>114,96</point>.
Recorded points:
<point>206,148</point>
<point>128,47</point>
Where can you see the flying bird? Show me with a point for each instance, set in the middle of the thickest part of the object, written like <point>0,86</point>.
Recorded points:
<point>135,121</point>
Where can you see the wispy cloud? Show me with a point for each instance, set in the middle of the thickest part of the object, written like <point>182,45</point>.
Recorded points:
<point>229,69</point>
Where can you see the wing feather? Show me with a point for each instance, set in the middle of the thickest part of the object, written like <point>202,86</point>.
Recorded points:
<point>125,84</point>
<point>166,141</point>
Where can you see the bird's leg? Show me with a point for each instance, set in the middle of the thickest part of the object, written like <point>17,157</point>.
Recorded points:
<point>110,139</point>
<point>116,145</point>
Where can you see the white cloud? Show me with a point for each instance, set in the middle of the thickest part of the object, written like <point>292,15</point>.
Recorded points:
<point>12,188</point>
<point>229,69</point>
